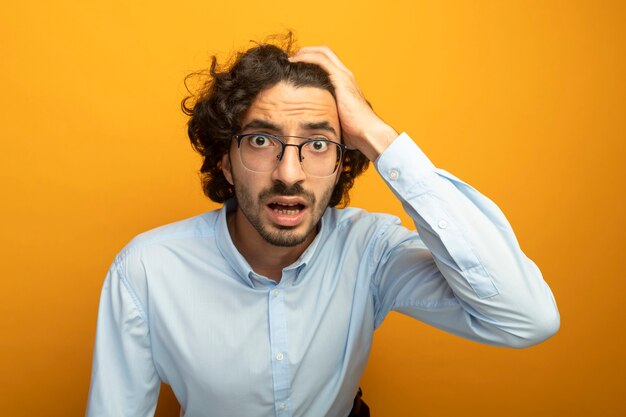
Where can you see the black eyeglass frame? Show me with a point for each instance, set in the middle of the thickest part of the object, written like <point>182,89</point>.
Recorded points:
<point>279,157</point>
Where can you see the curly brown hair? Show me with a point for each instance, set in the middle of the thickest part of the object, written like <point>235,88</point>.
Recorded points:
<point>216,109</point>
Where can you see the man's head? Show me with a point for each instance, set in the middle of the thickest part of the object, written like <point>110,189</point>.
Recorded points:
<point>286,163</point>
<point>218,109</point>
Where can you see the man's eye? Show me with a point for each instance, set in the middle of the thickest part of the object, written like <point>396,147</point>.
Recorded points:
<point>318,145</point>
<point>259,141</point>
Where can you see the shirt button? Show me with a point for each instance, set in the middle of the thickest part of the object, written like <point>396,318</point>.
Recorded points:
<point>394,174</point>
<point>275,293</point>
<point>280,356</point>
<point>442,224</point>
<point>282,406</point>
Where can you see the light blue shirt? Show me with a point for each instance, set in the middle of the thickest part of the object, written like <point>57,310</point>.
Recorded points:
<point>182,306</point>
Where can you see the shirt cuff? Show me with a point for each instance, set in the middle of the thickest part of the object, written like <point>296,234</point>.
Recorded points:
<point>403,163</point>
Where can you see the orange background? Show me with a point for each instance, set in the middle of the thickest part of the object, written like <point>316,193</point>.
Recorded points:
<point>525,100</point>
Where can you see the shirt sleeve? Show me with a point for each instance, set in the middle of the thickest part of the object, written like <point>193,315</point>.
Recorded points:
<point>124,381</point>
<point>464,272</point>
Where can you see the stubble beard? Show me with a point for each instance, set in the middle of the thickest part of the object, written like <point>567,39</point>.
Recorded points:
<point>283,236</point>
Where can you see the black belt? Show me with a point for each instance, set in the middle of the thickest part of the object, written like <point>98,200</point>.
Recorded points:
<point>359,408</point>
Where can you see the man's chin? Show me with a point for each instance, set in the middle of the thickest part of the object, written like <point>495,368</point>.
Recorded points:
<point>285,236</point>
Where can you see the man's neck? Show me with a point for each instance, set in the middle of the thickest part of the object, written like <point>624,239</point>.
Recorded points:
<point>264,258</point>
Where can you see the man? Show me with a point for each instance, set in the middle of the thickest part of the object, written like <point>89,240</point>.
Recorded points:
<point>267,307</point>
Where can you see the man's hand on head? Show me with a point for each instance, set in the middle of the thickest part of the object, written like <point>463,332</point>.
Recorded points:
<point>362,128</point>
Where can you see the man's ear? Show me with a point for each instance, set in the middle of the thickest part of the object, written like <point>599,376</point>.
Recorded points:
<point>227,168</point>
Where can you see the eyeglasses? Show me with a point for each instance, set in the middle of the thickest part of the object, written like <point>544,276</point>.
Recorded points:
<point>261,152</point>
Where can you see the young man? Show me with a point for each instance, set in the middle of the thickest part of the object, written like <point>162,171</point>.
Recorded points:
<point>267,307</point>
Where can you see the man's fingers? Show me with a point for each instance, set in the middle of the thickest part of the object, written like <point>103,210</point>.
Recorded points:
<point>325,51</point>
<point>321,55</point>
<point>315,58</point>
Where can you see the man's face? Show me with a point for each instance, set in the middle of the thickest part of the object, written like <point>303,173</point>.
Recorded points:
<point>284,205</point>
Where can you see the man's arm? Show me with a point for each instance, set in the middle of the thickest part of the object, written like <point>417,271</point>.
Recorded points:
<point>124,381</point>
<point>472,278</point>
<point>475,281</point>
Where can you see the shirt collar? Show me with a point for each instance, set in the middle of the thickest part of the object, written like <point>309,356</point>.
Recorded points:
<point>239,264</point>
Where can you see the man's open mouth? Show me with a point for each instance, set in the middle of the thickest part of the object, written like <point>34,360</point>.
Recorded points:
<point>286,208</point>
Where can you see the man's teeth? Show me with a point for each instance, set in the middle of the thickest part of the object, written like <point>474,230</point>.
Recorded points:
<point>289,209</point>
<point>281,211</point>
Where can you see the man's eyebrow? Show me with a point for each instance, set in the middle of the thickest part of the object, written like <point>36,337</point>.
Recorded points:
<point>319,126</point>
<point>261,124</point>
<point>264,124</point>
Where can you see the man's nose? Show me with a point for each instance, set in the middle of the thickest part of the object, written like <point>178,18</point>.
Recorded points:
<point>289,169</point>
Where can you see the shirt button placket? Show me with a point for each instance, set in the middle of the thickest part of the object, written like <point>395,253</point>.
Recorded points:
<point>278,351</point>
